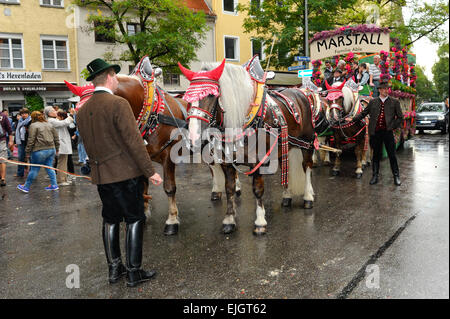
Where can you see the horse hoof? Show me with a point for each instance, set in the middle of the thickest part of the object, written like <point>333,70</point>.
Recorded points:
<point>171,229</point>
<point>334,173</point>
<point>215,196</point>
<point>368,164</point>
<point>287,202</point>
<point>358,175</point>
<point>238,193</point>
<point>308,204</point>
<point>259,230</point>
<point>228,228</point>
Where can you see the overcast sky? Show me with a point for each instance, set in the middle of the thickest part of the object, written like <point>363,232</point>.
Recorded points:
<point>426,52</point>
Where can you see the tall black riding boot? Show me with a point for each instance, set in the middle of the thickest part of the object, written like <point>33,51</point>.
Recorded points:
<point>133,244</point>
<point>111,242</point>
<point>397,181</point>
<point>375,172</point>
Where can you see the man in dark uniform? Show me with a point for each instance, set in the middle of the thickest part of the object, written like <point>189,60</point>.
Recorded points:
<point>385,116</point>
<point>120,166</point>
<point>336,77</point>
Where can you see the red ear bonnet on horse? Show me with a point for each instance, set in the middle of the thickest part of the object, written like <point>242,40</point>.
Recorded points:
<point>203,83</point>
<point>327,85</point>
<point>75,89</point>
<point>80,90</point>
<point>203,75</point>
<point>187,73</point>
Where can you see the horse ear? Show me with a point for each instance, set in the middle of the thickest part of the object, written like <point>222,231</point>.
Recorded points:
<point>75,89</point>
<point>217,72</point>
<point>187,73</point>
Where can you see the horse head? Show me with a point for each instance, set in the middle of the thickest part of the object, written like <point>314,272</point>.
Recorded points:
<point>340,101</point>
<point>203,95</point>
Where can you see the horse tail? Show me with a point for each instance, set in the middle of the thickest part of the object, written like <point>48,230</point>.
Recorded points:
<point>296,174</point>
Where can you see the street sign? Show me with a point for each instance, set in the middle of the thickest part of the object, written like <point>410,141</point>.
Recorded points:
<point>305,73</point>
<point>302,58</point>
<point>296,67</point>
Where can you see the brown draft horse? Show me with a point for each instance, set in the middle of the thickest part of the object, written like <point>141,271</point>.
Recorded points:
<point>221,96</point>
<point>159,143</point>
<point>344,103</point>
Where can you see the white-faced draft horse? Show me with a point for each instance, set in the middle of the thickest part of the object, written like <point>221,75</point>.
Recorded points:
<point>227,96</point>
<point>157,115</point>
<point>344,102</point>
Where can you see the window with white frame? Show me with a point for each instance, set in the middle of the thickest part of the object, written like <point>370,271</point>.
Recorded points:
<point>171,79</point>
<point>258,48</point>
<point>231,45</point>
<point>132,28</point>
<point>10,1</point>
<point>55,53</point>
<point>53,3</point>
<point>11,51</point>
<point>229,6</point>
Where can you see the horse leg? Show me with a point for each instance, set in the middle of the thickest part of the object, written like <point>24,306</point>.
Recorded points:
<point>238,185</point>
<point>324,155</point>
<point>337,165</point>
<point>258,191</point>
<point>229,223</point>
<point>316,158</point>
<point>218,182</point>
<point>172,222</point>
<point>307,164</point>
<point>296,177</point>
<point>359,150</point>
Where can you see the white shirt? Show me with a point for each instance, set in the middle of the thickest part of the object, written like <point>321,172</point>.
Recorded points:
<point>102,88</point>
<point>383,99</point>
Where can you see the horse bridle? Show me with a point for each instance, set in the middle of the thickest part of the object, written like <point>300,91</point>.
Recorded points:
<point>205,116</point>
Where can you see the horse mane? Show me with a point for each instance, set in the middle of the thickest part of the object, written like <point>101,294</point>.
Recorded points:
<point>236,92</point>
<point>348,97</point>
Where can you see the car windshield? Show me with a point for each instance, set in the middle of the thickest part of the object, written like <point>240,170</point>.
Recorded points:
<point>431,108</point>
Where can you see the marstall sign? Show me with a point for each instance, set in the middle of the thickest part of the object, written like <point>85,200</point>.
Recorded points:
<point>366,42</point>
<point>20,76</point>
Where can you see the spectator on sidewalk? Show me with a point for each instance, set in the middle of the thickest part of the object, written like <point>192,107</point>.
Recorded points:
<point>65,143</point>
<point>43,144</point>
<point>21,139</point>
<point>5,143</point>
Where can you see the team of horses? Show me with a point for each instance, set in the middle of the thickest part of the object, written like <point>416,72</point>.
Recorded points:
<point>234,101</point>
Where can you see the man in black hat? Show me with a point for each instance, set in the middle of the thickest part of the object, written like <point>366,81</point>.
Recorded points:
<point>336,77</point>
<point>120,166</point>
<point>385,116</point>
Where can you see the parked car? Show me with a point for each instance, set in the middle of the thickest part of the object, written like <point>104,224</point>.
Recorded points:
<point>432,116</point>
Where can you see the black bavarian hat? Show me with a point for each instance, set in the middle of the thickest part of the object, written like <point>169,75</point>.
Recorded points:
<point>99,65</point>
<point>384,85</point>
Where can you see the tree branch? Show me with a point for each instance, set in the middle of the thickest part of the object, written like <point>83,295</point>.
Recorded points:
<point>428,32</point>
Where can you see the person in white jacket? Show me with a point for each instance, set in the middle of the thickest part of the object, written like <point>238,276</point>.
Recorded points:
<point>65,142</point>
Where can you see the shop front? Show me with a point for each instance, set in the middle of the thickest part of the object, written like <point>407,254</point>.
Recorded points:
<point>13,95</point>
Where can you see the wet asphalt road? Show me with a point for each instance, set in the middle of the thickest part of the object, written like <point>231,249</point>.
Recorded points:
<point>326,252</point>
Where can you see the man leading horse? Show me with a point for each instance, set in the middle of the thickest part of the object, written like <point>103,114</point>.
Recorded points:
<point>120,166</point>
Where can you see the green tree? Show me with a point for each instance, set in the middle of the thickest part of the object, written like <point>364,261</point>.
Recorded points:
<point>282,21</point>
<point>427,20</point>
<point>168,31</point>
<point>441,71</point>
<point>34,102</point>
<point>426,90</point>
